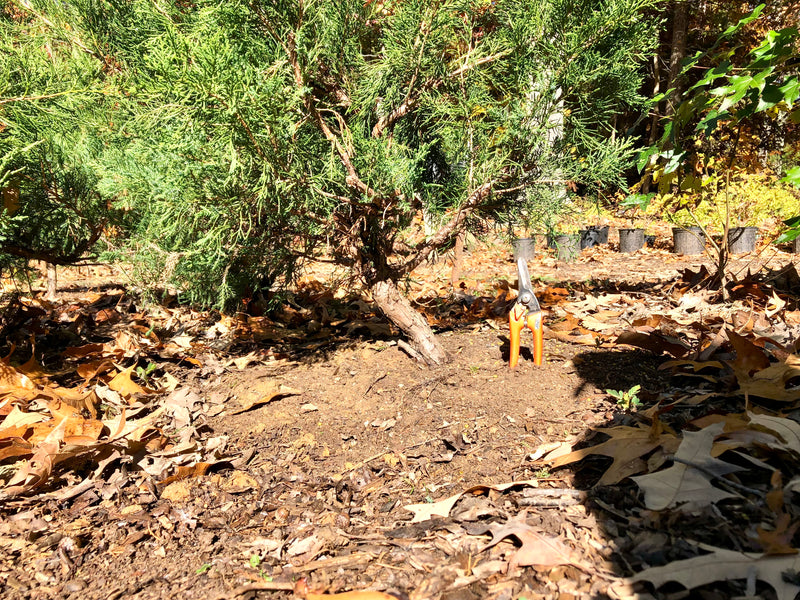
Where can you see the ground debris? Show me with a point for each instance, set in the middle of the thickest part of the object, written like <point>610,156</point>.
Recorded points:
<point>164,452</point>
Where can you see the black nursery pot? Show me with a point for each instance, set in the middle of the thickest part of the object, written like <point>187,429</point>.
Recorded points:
<point>742,239</point>
<point>602,233</point>
<point>631,240</point>
<point>589,238</point>
<point>688,240</point>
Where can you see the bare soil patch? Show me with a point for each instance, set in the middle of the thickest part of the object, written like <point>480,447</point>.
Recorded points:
<point>327,432</point>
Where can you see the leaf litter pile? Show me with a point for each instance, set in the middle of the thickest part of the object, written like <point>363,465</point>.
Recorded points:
<point>300,453</point>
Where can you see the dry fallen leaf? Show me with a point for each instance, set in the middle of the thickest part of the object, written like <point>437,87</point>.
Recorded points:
<point>442,508</point>
<point>686,485</point>
<point>12,380</point>
<point>536,549</point>
<point>279,392</point>
<point>749,357</point>
<point>776,382</point>
<point>626,446</point>
<point>655,342</point>
<point>724,564</point>
<point>123,383</point>
<point>786,430</point>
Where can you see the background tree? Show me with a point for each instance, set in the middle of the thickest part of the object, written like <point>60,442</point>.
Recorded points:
<point>251,136</point>
<point>705,137</point>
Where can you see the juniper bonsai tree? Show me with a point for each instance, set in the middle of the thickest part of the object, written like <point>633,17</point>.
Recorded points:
<point>251,135</point>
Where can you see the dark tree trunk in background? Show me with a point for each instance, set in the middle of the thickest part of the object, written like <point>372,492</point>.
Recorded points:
<point>458,259</point>
<point>680,26</point>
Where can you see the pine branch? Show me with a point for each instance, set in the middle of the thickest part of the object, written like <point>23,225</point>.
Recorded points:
<point>352,178</point>
<point>48,96</point>
<point>74,39</point>
<point>448,230</point>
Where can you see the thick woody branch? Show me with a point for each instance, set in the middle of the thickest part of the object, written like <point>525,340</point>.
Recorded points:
<point>453,226</point>
<point>352,177</point>
<point>51,255</point>
<point>398,113</point>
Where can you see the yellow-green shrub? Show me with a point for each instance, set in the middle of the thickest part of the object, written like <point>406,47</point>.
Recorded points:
<point>754,199</point>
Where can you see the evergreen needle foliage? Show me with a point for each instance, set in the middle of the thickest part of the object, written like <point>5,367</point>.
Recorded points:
<point>249,136</point>
<point>54,109</point>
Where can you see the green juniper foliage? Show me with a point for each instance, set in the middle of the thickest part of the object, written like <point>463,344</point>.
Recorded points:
<point>53,111</point>
<point>253,135</point>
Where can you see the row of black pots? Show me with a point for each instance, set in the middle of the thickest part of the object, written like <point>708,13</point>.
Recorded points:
<point>688,240</point>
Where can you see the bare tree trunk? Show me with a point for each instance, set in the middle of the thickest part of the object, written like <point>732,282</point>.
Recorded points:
<point>399,311</point>
<point>680,27</point>
<point>648,179</point>
<point>52,282</point>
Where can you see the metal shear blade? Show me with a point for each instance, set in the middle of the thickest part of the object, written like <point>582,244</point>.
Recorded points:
<point>526,312</point>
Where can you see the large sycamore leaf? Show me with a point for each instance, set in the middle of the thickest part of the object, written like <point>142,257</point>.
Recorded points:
<point>687,483</point>
<point>626,446</point>
<point>724,564</point>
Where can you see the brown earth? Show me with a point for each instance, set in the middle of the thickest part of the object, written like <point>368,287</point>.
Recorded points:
<point>314,480</point>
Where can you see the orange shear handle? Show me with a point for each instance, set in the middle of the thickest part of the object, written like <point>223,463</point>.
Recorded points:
<point>517,321</point>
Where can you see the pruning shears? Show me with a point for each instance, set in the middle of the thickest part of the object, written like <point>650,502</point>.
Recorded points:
<point>525,312</point>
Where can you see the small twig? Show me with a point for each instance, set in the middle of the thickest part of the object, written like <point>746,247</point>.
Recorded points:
<point>374,381</point>
<point>273,586</point>
<point>555,493</point>
<point>335,563</point>
<point>612,510</point>
<point>549,502</point>
<point>406,347</point>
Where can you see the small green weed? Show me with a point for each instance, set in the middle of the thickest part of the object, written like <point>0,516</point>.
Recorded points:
<point>255,563</point>
<point>144,374</point>
<point>627,400</point>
